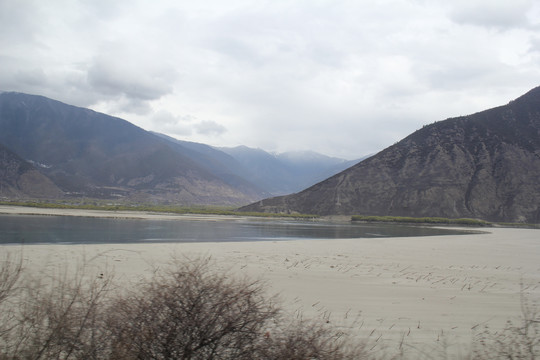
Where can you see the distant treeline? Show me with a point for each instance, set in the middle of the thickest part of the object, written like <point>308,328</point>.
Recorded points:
<point>438,221</point>
<point>174,209</point>
<point>420,220</point>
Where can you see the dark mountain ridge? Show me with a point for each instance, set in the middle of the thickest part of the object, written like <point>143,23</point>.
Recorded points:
<point>485,165</point>
<point>95,155</point>
<point>90,154</point>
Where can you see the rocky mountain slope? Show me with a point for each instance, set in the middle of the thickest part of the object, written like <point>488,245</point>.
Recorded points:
<point>20,179</point>
<point>90,154</point>
<point>485,165</point>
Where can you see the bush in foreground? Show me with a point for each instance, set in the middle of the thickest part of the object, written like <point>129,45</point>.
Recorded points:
<point>52,317</point>
<point>190,312</point>
<point>186,311</point>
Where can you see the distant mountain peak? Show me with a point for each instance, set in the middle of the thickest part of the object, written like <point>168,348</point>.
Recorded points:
<point>285,173</point>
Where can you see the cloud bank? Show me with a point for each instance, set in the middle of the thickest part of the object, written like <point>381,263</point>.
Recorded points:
<point>344,78</point>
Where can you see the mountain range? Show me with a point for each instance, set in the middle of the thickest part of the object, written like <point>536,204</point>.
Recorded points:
<point>53,150</point>
<point>485,165</point>
<point>287,172</point>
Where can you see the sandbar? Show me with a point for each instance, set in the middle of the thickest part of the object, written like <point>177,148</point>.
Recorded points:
<point>119,214</point>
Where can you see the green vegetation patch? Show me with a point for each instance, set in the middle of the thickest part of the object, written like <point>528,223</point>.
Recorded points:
<point>420,220</point>
<point>174,209</point>
<point>519,225</point>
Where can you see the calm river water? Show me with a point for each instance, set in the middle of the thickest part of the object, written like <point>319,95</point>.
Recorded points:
<point>32,229</point>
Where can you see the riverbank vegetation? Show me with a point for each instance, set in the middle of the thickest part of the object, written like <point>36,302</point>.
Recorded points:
<point>421,220</point>
<point>437,221</point>
<point>171,209</point>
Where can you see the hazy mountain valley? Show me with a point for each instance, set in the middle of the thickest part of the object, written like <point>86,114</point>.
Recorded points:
<point>75,152</point>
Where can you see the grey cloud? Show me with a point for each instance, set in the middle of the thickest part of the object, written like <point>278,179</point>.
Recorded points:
<point>67,85</point>
<point>185,125</point>
<point>15,78</point>
<point>209,127</point>
<point>31,77</point>
<point>499,14</point>
<point>455,76</point>
<point>274,35</point>
<point>166,122</point>
<point>18,22</point>
<point>130,73</point>
<point>237,49</point>
<point>113,77</point>
<point>342,77</point>
<point>129,105</point>
<point>105,9</point>
<point>535,45</point>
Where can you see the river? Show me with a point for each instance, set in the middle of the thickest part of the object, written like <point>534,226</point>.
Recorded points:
<point>37,229</point>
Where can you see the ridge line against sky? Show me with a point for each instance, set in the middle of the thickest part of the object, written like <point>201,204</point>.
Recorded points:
<point>343,78</point>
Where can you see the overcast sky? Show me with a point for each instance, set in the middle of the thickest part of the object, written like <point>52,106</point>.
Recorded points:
<point>343,78</point>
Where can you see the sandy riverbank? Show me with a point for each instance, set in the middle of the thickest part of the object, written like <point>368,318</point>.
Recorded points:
<point>25,210</point>
<point>429,290</point>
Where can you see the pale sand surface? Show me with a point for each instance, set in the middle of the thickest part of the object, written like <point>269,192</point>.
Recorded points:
<point>418,288</point>
<point>25,210</point>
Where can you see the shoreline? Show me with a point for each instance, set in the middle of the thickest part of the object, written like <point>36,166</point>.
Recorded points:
<point>113,214</point>
<point>420,289</point>
<point>158,215</point>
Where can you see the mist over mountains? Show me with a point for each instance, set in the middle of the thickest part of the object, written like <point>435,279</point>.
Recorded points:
<point>288,172</point>
<point>485,165</point>
<point>81,153</point>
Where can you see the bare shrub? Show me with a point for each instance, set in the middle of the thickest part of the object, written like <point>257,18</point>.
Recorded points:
<point>57,317</point>
<point>190,312</point>
<point>186,311</point>
<point>10,274</point>
<point>309,339</point>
